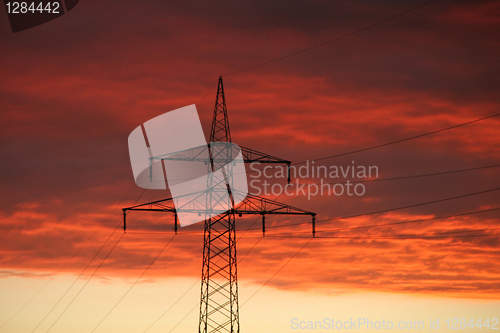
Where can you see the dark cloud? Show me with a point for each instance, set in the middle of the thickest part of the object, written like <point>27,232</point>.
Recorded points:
<point>73,89</point>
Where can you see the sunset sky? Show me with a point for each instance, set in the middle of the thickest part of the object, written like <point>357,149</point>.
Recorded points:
<point>73,89</point>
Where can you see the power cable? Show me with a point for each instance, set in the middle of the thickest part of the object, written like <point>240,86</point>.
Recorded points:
<point>78,277</point>
<point>401,237</point>
<point>388,210</point>
<point>86,282</point>
<point>405,139</point>
<point>81,273</point>
<point>133,285</point>
<point>331,40</point>
<point>403,222</point>
<point>411,176</point>
<point>414,205</point>
<point>198,281</point>
<point>279,270</point>
<point>67,262</point>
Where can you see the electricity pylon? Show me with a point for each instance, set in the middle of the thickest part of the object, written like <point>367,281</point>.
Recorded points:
<point>219,310</point>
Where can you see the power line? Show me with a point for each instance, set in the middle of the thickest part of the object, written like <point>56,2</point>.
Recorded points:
<point>239,261</point>
<point>405,139</point>
<point>401,177</point>
<point>311,238</point>
<point>189,233</point>
<point>279,270</point>
<point>372,225</point>
<point>423,236</point>
<point>173,328</point>
<point>299,251</point>
<point>414,221</point>
<point>350,237</point>
<point>404,222</point>
<point>399,235</point>
<point>67,262</point>
<point>246,230</point>
<point>419,176</point>
<point>331,40</point>
<point>77,278</point>
<point>258,241</point>
<point>398,141</point>
<point>209,90</point>
<point>86,282</point>
<point>387,210</point>
<point>414,205</point>
<point>303,51</point>
<point>88,264</point>
<point>458,231</point>
<point>370,213</point>
<point>190,311</point>
<point>346,217</point>
<point>402,237</point>
<point>164,313</point>
<point>295,53</point>
<point>320,237</point>
<point>326,237</point>
<point>32,298</point>
<point>133,285</point>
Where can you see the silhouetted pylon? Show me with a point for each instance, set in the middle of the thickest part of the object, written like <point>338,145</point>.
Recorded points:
<point>219,309</point>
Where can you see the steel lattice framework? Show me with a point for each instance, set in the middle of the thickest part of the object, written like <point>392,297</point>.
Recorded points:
<point>219,310</point>
<point>220,123</point>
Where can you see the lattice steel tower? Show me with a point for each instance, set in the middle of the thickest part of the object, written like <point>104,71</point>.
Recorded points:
<point>219,310</point>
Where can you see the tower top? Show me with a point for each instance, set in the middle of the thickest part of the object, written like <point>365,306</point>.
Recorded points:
<point>220,124</point>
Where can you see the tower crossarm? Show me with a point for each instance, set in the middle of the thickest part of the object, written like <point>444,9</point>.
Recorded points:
<point>255,205</point>
<point>254,156</point>
<point>252,205</point>
<point>164,205</point>
<point>259,205</point>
